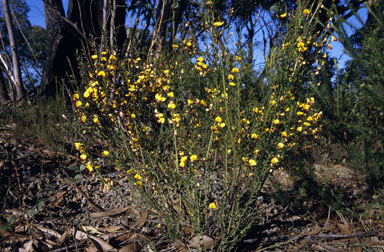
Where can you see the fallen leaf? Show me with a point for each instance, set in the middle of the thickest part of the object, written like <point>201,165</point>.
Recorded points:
<point>130,237</point>
<point>79,235</point>
<point>56,199</point>
<point>202,241</point>
<point>111,229</point>
<point>132,247</point>
<point>344,229</point>
<point>109,213</point>
<point>178,244</point>
<point>47,230</point>
<point>21,228</point>
<point>189,230</point>
<point>91,230</point>
<point>27,247</point>
<point>143,218</point>
<point>330,228</point>
<point>123,237</point>
<point>91,249</point>
<point>315,231</point>
<point>101,245</point>
<point>62,238</point>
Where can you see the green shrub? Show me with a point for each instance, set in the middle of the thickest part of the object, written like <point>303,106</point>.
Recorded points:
<point>196,148</point>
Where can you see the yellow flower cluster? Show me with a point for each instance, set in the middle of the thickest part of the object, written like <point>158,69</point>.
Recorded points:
<point>201,66</point>
<point>300,45</point>
<point>85,159</point>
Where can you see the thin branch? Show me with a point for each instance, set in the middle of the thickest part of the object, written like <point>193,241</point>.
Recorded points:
<point>341,236</point>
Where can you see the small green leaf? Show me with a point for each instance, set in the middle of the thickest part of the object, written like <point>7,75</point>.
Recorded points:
<point>78,176</point>
<point>41,203</point>
<point>12,220</point>
<point>73,167</point>
<point>32,212</point>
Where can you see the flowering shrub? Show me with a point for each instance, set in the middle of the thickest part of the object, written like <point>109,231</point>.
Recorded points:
<point>194,145</point>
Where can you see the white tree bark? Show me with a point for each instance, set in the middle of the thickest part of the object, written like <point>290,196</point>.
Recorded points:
<point>15,56</point>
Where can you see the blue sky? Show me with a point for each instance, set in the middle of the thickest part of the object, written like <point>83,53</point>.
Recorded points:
<point>36,17</point>
<point>36,14</point>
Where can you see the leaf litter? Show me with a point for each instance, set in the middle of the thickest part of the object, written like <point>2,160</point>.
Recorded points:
<point>45,208</point>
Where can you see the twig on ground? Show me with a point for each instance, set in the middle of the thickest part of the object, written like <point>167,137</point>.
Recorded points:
<point>341,236</point>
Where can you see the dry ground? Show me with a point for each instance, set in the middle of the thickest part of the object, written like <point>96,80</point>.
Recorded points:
<point>46,207</point>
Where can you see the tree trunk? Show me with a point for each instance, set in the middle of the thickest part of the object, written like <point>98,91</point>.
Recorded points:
<point>60,48</point>
<point>18,82</point>
<point>69,36</point>
<point>4,98</point>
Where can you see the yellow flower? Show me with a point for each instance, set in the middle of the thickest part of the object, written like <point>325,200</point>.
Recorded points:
<point>254,136</point>
<point>299,129</point>
<point>182,164</point>
<point>310,118</point>
<point>138,177</point>
<point>161,120</point>
<point>76,96</point>
<point>274,160</point>
<point>112,57</point>
<point>83,156</point>
<point>218,119</point>
<point>283,15</point>
<point>159,98</point>
<point>300,113</point>
<point>193,158</point>
<point>183,159</point>
<point>284,134</point>
<point>212,206</point>
<point>105,153</point>
<point>232,84</point>
<point>276,121</point>
<point>89,167</point>
<point>88,92</point>
<point>170,94</point>
<point>101,73</point>
<point>307,124</point>
<point>235,70</point>
<point>230,77</point>
<point>175,46</point>
<point>78,146</point>
<point>171,105</point>
<point>280,145</point>
<point>306,12</point>
<point>78,104</point>
<point>218,24</point>
<point>252,162</point>
<point>94,56</point>
<point>95,119</point>
<point>221,125</point>
<point>200,59</point>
